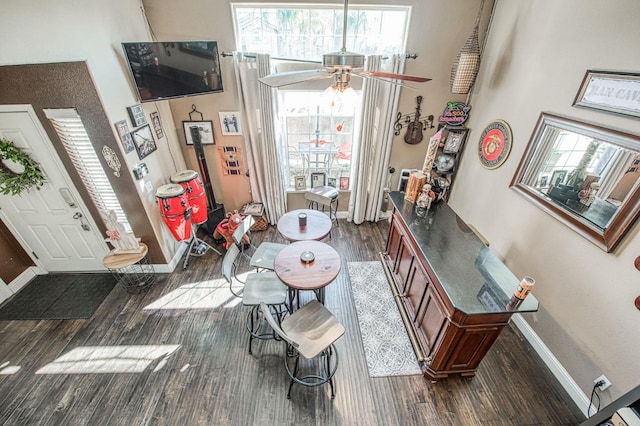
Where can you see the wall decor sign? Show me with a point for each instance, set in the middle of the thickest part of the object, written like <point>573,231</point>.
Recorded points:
<point>495,144</point>
<point>615,92</point>
<point>136,114</point>
<point>230,160</point>
<point>455,140</point>
<point>455,114</point>
<point>230,123</point>
<point>157,126</point>
<point>112,160</point>
<point>205,130</point>
<point>125,136</point>
<point>143,139</point>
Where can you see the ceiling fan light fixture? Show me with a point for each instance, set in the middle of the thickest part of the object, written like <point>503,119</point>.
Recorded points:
<point>340,95</point>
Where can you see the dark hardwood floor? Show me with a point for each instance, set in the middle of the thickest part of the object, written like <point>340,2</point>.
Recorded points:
<point>211,379</point>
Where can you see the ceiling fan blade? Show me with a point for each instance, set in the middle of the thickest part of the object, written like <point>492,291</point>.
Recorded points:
<point>395,82</point>
<point>393,76</point>
<point>292,77</point>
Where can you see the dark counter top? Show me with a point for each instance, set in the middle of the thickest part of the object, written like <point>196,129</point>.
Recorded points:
<point>474,278</point>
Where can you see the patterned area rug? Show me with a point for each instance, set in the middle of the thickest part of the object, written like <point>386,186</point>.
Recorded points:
<point>386,344</point>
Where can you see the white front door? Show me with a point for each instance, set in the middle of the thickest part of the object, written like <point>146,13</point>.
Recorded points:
<point>51,224</point>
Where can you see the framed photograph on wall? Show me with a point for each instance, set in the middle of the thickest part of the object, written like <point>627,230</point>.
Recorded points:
<point>318,179</point>
<point>300,183</point>
<point>230,123</point>
<point>332,182</point>
<point>125,136</point>
<point>143,139</point>
<point>205,130</point>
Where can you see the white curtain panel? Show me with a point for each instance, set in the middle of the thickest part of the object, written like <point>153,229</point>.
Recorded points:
<point>375,132</point>
<point>257,110</point>
<point>619,165</point>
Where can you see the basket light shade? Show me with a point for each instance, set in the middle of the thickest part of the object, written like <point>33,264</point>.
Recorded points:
<point>466,65</point>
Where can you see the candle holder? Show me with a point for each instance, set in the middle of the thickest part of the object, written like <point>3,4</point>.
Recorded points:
<point>307,257</point>
<point>302,220</point>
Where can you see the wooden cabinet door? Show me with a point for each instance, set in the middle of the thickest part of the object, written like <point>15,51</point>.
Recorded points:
<point>471,347</point>
<point>432,319</point>
<point>393,244</point>
<point>404,264</point>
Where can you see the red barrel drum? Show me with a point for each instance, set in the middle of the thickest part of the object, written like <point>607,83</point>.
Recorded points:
<point>192,184</point>
<point>175,210</point>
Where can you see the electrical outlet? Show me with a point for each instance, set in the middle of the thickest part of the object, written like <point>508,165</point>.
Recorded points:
<point>604,379</point>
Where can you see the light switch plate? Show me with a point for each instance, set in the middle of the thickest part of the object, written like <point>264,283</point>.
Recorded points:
<point>148,186</point>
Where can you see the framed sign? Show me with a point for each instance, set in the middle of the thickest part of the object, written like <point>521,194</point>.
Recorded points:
<point>609,91</point>
<point>125,136</point>
<point>455,140</point>
<point>157,126</point>
<point>143,139</point>
<point>495,144</point>
<point>136,114</point>
<point>205,130</point>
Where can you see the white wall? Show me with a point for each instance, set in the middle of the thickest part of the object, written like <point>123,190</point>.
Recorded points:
<point>92,31</point>
<point>536,56</point>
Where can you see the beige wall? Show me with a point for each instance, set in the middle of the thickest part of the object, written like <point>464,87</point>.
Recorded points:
<point>92,31</point>
<point>535,59</point>
<point>429,36</point>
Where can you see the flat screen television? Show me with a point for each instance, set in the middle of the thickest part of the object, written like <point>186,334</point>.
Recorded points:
<point>174,69</point>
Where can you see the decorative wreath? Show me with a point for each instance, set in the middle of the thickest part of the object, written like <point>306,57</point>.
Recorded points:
<point>12,183</point>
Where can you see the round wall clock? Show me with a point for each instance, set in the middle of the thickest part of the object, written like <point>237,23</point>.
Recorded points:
<point>495,144</point>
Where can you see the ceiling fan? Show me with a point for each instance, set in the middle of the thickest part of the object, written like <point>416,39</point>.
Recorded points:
<point>341,66</point>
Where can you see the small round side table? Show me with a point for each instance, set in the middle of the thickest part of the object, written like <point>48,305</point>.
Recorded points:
<point>132,270</point>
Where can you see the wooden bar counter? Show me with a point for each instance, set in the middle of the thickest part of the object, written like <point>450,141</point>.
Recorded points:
<point>455,292</point>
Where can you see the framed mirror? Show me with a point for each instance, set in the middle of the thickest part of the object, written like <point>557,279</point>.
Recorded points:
<point>584,175</point>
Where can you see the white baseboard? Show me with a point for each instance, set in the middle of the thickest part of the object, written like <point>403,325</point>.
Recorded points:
<point>561,374</point>
<point>169,267</point>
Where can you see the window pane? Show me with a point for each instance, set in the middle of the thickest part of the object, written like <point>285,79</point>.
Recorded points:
<point>308,32</point>
<point>318,139</point>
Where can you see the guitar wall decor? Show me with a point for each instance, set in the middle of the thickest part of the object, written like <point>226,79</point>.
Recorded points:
<point>415,125</point>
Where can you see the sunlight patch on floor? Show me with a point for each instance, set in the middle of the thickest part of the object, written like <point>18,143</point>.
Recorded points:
<point>6,369</point>
<point>204,295</point>
<point>108,359</point>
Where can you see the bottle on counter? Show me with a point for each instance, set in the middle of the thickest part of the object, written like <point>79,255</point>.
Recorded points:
<point>524,288</point>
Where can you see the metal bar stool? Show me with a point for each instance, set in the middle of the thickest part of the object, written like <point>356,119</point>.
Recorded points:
<point>321,197</point>
<point>309,332</point>
<point>265,288</point>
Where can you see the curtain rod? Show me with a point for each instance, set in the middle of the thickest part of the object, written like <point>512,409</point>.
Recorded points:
<point>249,55</point>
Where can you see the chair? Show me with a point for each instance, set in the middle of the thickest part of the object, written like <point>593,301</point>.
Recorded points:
<point>324,196</point>
<point>264,254</point>
<point>259,288</point>
<point>311,332</point>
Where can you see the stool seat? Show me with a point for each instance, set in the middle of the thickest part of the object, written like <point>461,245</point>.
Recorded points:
<point>325,196</point>
<point>325,191</point>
